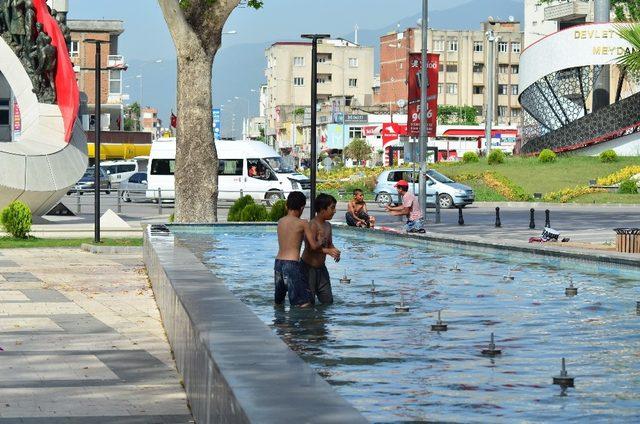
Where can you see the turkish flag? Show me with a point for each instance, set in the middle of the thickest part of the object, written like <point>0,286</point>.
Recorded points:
<point>174,120</point>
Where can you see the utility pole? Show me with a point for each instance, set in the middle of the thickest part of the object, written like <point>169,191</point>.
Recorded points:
<point>491,38</point>
<point>601,96</point>
<point>314,116</point>
<point>424,106</point>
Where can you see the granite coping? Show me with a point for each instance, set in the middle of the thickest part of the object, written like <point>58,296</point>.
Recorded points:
<point>235,368</point>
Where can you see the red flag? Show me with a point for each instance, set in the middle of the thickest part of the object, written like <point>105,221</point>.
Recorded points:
<point>174,120</point>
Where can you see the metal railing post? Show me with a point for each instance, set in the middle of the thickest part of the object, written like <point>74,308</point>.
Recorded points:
<point>78,204</point>
<point>159,201</point>
<point>437,208</point>
<point>119,209</point>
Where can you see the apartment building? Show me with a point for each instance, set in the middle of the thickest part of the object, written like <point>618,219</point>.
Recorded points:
<point>345,70</point>
<point>150,122</point>
<point>541,20</point>
<point>463,76</point>
<point>113,64</point>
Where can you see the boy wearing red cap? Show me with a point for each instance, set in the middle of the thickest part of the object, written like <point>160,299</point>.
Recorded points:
<point>410,208</point>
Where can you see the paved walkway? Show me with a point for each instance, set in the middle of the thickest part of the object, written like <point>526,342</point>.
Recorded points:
<point>82,341</point>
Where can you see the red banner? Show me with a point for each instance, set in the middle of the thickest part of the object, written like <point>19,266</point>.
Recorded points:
<point>413,117</point>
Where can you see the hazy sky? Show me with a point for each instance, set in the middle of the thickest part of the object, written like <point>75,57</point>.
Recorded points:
<point>146,36</point>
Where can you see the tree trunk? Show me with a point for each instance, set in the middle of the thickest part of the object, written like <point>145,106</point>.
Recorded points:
<point>196,157</point>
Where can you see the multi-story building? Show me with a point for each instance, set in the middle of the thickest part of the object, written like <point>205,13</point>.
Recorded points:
<point>150,122</point>
<point>463,76</point>
<point>541,20</point>
<point>345,70</point>
<point>83,57</point>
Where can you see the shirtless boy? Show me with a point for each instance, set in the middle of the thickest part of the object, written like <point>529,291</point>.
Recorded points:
<point>357,214</point>
<point>290,275</point>
<point>314,257</point>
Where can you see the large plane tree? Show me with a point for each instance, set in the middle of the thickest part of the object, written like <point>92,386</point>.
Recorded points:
<point>196,29</point>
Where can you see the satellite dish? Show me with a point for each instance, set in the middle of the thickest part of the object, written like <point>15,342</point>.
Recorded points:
<point>401,103</point>
<point>511,19</point>
<point>491,20</point>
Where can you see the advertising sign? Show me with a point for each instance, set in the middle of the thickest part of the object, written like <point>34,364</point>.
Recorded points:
<point>217,125</point>
<point>17,121</point>
<point>415,85</point>
<point>391,131</point>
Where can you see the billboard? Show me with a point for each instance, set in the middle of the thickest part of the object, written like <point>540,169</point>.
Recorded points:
<point>415,85</point>
<point>217,126</point>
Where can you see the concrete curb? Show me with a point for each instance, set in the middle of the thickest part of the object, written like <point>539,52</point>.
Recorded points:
<point>545,205</point>
<point>111,250</point>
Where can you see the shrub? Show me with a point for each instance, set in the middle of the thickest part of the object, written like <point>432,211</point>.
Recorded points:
<point>628,187</point>
<point>16,219</point>
<point>278,210</point>
<point>236,209</point>
<point>172,218</point>
<point>470,157</point>
<point>254,213</point>
<point>547,156</point>
<point>496,156</point>
<point>608,156</point>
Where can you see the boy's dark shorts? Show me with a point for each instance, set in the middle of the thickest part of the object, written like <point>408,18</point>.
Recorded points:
<point>319,283</point>
<point>291,277</point>
<point>362,215</point>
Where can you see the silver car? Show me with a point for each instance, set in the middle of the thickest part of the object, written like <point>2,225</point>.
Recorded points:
<point>134,188</point>
<point>450,194</point>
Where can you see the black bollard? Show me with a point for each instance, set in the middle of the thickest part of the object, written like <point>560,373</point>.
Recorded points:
<point>460,218</point>
<point>547,218</point>
<point>437,218</point>
<point>498,223</point>
<point>532,222</point>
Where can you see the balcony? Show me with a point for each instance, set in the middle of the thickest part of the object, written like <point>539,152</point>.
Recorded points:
<point>116,61</point>
<point>567,11</point>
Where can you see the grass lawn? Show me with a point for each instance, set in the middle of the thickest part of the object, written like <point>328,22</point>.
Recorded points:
<point>10,242</point>
<point>535,177</point>
<point>604,198</point>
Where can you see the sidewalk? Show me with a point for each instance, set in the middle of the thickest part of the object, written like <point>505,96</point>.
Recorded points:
<point>82,341</point>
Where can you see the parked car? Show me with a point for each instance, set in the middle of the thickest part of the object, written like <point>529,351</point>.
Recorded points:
<point>450,193</point>
<point>87,182</point>
<point>134,188</point>
<point>120,170</point>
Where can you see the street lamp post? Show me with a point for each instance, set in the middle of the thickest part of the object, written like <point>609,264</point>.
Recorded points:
<point>314,115</point>
<point>491,38</point>
<point>601,86</point>
<point>97,125</point>
<point>423,113</point>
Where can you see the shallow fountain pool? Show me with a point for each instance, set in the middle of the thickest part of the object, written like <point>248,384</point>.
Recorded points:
<point>393,368</point>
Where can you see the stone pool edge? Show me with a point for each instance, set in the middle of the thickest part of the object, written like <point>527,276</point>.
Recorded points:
<point>234,368</point>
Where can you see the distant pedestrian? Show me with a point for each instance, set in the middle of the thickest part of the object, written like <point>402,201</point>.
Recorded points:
<point>357,214</point>
<point>410,208</point>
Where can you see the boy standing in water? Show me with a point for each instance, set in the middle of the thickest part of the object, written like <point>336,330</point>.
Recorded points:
<point>314,256</point>
<point>290,274</point>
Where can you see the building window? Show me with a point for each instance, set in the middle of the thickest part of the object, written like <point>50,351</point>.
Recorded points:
<point>4,112</point>
<point>452,67</point>
<point>478,68</point>
<point>503,47</point>
<point>478,89</point>
<point>115,81</point>
<point>452,88</point>
<point>478,46</point>
<point>323,79</point>
<point>353,62</point>
<point>440,67</point>
<point>514,90</point>
<point>479,110</point>
<point>324,58</point>
<point>503,89</point>
<point>502,111</point>
<point>298,81</point>
<point>355,132</point>
<point>353,82</point>
<point>515,69</point>
<point>440,88</point>
<point>74,50</point>
<point>503,69</point>
<point>515,47</point>
<point>453,45</point>
<point>515,112</point>
<point>438,45</point>
<point>298,61</point>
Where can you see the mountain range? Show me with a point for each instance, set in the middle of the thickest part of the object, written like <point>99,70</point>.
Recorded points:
<point>239,69</point>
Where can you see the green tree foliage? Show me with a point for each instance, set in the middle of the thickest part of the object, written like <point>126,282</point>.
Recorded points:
<point>278,210</point>
<point>470,157</point>
<point>630,60</point>
<point>628,187</point>
<point>547,156</point>
<point>132,117</point>
<point>16,219</point>
<point>460,115</point>
<point>496,157</point>
<point>608,156</point>
<point>358,150</point>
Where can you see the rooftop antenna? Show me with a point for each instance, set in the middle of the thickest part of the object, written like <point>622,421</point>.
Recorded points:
<point>356,36</point>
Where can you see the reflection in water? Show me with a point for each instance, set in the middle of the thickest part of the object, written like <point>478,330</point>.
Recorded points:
<point>393,368</point>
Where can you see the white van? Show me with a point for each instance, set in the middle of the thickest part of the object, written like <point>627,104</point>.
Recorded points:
<point>119,170</point>
<point>246,167</point>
